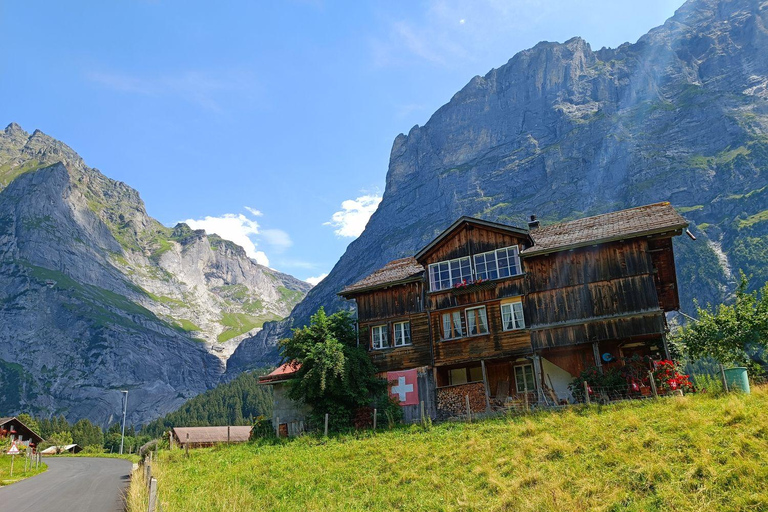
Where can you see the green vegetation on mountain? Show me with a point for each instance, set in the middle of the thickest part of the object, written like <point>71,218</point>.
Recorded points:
<point>234,403</point>
<point>692,453</point>
<point>240,323</point>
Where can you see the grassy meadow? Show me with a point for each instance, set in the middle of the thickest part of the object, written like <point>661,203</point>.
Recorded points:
<point>693,453</point>
<point>18,470</point>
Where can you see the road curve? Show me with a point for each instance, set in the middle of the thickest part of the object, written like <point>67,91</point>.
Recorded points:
<point>71,484</point>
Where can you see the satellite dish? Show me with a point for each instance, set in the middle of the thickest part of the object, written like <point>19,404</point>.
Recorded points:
<point>608,357</point>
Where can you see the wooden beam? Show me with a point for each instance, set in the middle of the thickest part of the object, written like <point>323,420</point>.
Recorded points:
<point>598,359</point>
<point>485,384</point>
<point>539,377</point>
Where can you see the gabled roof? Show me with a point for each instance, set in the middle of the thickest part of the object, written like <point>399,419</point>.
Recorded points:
<point>8,419</point>
<point>634,222</point>
<point>400,271</point>
<point>461,222</point>
<point>206,435</point>
<point>283,372</point>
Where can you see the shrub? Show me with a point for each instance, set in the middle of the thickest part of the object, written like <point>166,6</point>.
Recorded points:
<point>262,428</point>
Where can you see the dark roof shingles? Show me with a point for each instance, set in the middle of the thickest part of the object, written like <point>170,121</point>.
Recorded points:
<point>395,271</point>
<point>652,218</point>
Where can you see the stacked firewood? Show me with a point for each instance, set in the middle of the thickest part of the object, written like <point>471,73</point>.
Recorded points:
<point>452,401</point>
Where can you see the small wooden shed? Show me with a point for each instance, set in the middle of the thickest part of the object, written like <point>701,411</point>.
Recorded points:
<point>198,437</point>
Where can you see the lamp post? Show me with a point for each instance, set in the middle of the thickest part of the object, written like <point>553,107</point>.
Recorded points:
<point>125,406</point>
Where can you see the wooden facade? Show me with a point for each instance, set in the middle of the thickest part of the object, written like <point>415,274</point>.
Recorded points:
<point>595,286</point>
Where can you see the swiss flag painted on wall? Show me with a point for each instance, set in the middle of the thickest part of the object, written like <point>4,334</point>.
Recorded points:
<point>404,386</point>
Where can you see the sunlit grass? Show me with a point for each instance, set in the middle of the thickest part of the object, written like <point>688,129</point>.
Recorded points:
<point>693,453</point>
<point>18,469</point>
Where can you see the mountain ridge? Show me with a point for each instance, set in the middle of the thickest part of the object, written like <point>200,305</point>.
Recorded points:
<point>98,296</point>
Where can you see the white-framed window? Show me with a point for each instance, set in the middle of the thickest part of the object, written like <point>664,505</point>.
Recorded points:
<point>379,337</point>
<point>498,264</point>
<point>477,321</point>
<point>402,334</point>
<point>453,325</point>
<point>512,316</point>
<point>443,275</point>
<point>524,378</point>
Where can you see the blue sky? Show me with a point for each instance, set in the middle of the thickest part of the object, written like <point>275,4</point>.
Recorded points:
<point>268,122</point>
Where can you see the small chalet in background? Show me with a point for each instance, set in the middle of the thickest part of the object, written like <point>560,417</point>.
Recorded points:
<point>199,437</point>
<point>66,448</point>
<point>288,416</point>
<point>503,313</point>
<point>17,431</point>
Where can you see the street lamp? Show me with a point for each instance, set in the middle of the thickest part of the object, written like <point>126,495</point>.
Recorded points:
<point>125,406</point>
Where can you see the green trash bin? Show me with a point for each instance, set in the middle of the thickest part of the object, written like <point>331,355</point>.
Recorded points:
<point>737,379</point>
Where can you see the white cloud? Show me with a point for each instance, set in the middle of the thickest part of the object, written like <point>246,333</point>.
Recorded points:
<point>254,211</point>
<point>277,238</point>
<point>314,280</point>
<point>205,89</point>
<point>350,221</point>
<point>236,228</point>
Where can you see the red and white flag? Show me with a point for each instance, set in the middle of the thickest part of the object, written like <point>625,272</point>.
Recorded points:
<point>404,386</point>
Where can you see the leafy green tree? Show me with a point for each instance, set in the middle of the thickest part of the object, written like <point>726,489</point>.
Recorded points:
<point>731,333</point>
<point>60,439</point>
<point>336,376</point>
<point>85,433</point>
<point>29,421</point>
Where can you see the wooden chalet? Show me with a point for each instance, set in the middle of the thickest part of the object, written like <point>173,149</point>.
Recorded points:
<point>501,313</point>
<point>17,431</point>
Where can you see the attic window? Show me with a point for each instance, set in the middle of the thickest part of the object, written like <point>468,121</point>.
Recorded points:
<point>445,274</point>
<point>498,264</point>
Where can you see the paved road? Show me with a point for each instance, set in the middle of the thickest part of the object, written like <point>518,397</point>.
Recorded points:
<point>71,484</point>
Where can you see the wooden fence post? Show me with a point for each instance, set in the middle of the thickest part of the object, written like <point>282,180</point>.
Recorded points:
<point>485,386</point>
<point>525,390</point>
<point>152,495</point>
<point>326,425</point>
<point>375,414</point>
<point>186,446</point>
<point>725,381</point>
<point>653,384</point>
<point>228,434</point>
<point>586,393</point>
<point>469,410</point>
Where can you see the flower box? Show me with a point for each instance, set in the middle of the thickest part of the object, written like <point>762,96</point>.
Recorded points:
<point>473,287</point>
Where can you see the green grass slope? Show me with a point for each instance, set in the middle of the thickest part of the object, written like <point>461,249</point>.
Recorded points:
<point>18,470</point>
<point>693,453</point>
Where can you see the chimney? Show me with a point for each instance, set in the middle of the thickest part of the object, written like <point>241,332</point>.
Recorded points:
<point>533,223</point>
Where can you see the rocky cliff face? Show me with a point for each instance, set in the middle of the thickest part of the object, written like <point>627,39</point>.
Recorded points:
<point>96,296</point>
<point>562,131</point>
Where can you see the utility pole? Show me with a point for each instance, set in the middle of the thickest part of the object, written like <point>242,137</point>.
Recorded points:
<point>125,406</point>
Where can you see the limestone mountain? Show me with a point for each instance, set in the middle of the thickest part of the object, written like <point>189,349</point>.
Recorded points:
<point>97,296</point>
<point>564,131</point>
